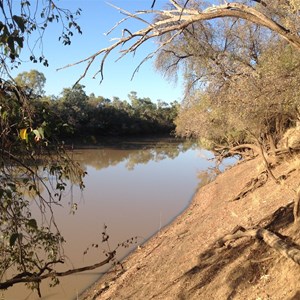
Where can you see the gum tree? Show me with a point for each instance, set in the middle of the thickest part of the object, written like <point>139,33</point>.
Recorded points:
<point>33,82</point>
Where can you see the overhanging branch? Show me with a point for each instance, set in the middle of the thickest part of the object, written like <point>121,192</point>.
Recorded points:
<point>178,19</point>
<point>29,277</point>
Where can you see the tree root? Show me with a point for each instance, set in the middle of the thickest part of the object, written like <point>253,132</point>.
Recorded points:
<point>291,251</point>
<point>252,185</point>
<point>287,150</point>
<point>296,210</point>
<point>246,151</point>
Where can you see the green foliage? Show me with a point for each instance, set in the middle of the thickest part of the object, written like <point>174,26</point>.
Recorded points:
<point>248,88</point>
<point>85,116</point>
<point>32,82</point>
<point>25,19</point>
<point>262,106</point>
<point>30,240</point>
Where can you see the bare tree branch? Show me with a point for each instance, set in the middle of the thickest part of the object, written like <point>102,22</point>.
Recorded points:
<point>30,277</point>
<point>178,19</point>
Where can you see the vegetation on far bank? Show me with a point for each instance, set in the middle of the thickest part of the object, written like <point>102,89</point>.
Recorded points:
<point>76,116</point>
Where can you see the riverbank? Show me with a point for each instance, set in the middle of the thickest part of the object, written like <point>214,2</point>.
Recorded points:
<point>182,261</point>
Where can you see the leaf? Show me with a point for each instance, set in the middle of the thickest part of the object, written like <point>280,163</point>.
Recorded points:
<point>32,223</point>
<point>4,115</point>
<point>11,45</point>
<point>20,21</point>
<point>13,239</point>
<point>23,3</point>
<point>23,133</point>
<point>19,40</point>
<point>37,135</point>
<point>41,131</point>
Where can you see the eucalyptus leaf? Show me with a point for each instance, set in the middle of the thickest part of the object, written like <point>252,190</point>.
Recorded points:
<point>32,223</point>
<point>13,239</point>
<point>20,21</point>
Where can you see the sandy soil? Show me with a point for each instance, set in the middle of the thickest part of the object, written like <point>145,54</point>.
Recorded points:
<point>183,261</point>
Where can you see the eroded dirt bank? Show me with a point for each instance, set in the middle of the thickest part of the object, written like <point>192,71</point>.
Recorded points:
<point>183,261</point>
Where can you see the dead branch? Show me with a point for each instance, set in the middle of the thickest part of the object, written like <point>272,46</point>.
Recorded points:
<point>33,277</point>
<point>178,18</point>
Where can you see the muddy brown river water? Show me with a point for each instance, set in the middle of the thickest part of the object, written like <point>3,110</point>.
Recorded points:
<point>135,188</point>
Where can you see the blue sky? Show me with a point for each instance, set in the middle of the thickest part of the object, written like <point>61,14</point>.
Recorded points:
<point>97,18</point>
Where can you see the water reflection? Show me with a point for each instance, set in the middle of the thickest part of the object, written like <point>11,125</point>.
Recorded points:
<point>111,153</point>
<point>134,188</point>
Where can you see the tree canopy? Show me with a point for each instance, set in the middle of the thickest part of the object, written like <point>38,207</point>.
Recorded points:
<point>32,81</point>
<point>23,24</point>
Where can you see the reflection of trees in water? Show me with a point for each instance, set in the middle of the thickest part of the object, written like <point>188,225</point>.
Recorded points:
<point>132,152</point>
<point>206,176</point>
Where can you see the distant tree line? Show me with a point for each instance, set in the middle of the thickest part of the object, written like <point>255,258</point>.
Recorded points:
<point>74,114</point>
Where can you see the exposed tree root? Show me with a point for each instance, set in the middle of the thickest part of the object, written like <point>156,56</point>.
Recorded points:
<point>247,151</point>
<point>260,180</point>
<point>287,150</point>
<point>252,185</point>
<point>291,251</point>
<point>296,210</point>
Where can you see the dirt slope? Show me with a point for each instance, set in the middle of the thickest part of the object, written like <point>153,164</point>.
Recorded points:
<point>183,260</point>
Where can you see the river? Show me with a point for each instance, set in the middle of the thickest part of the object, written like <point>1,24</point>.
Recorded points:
<point>134,188</point>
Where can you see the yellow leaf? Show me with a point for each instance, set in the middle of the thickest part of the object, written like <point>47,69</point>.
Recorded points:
<point>23,134</point>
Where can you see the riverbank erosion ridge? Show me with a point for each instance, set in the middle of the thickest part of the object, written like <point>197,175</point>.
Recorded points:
<point>222,246</point>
